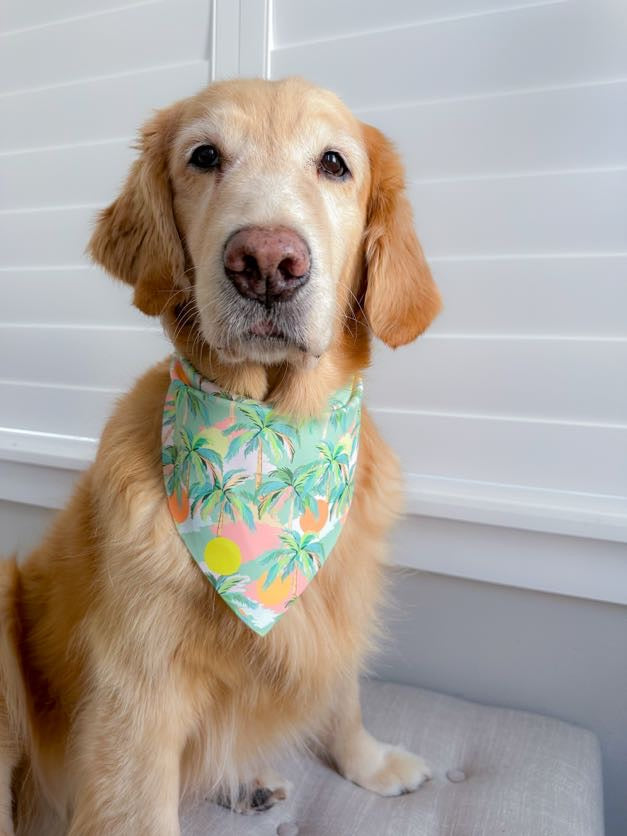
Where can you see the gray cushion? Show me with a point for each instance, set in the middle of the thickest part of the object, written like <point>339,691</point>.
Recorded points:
<point>496,771</point>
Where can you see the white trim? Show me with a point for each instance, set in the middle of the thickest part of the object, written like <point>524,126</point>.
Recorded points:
<point>595,516</point>
<point>254,49</point>
<point>43,486</point>
<point>41,468</point>
<point>240,38</point>
<point>224,58</point>
<point>47,449</point>
<point>580,567</point>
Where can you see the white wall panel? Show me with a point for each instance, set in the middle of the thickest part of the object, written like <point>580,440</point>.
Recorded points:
<point>558,456</point>
<point>94,109</point>
<point>17,14</point>
<point>67,175</point>
<point>469,56</point>
<point>571,296</point>
<point>79,356</point>
<point>105,44</point>
<point>556,129</point>
<point>66,295</point>
<point>576,212</point>
<point>304,22</point>
<point>36,237</point>
<point>546,378</point>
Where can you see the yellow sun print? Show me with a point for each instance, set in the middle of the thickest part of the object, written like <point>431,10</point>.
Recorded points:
<point>222,556</point>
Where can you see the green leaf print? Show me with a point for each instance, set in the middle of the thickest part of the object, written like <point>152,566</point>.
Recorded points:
<point>332,468</point>
<point>230,583</point>
<point>262,431</point>
<point>296,485</point>
<point>342,497</point>
<point>191,457</point>
<point>302,552</point>
<point>339,417</point>
<point>223,496</point>
<point>185,403</point>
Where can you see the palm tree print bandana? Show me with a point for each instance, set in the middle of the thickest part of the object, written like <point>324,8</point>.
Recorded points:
<point>258,500</point>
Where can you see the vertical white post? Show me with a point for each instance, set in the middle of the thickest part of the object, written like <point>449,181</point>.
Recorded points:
<point>240,38</point>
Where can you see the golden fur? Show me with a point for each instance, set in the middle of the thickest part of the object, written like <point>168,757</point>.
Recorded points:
<point>125,681</point>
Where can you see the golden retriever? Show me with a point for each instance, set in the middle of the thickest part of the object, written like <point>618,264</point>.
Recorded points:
<point>126,683</point>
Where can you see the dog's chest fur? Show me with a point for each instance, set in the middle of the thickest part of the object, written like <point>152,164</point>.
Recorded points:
<point>125,595</point>
<point>241,694</point>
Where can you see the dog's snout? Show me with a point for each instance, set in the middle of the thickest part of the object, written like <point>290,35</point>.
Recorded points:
<point>267,264</point>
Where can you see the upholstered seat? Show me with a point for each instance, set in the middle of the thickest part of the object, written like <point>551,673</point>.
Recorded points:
<point>496,771</point>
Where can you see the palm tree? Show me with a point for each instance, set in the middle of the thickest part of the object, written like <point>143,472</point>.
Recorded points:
<point>341,498</point>
<point>185,402</point>
<point>265,431</point>
<point>338,416</point>
<point>342,494</point>
<point>222,495</point>
<point>190,456</point>
<point>299,551</point>
<point>332,468</point>
<point>233,584</point>
<point>283,481</point>
<point>232,589</point>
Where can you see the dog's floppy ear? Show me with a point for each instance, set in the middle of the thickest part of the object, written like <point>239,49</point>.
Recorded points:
<point>136,239</point>
<point>401,298</point>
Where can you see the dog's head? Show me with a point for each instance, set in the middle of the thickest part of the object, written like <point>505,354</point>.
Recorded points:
<point>263,219</point>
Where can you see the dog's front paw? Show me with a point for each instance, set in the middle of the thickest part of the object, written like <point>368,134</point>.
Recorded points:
<point>392,771</point>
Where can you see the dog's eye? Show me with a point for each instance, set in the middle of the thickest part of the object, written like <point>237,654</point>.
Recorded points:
<point>333,164</point>
<point>205,157</point>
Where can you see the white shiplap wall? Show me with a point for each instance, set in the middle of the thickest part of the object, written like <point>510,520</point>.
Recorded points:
<point>76,81</point>
<point>512,119</point>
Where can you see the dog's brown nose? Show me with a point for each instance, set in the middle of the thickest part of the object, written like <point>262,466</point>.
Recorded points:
<point>267,263</point>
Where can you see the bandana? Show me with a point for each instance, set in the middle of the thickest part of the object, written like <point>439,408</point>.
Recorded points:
<point>258,499</point>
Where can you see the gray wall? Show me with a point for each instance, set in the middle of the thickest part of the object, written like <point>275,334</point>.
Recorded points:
<point>565,657</point>
<point>560,656</point>
<point>21,527</point>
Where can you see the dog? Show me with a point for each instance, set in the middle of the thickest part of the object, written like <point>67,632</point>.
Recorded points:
<point>270,231</point>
